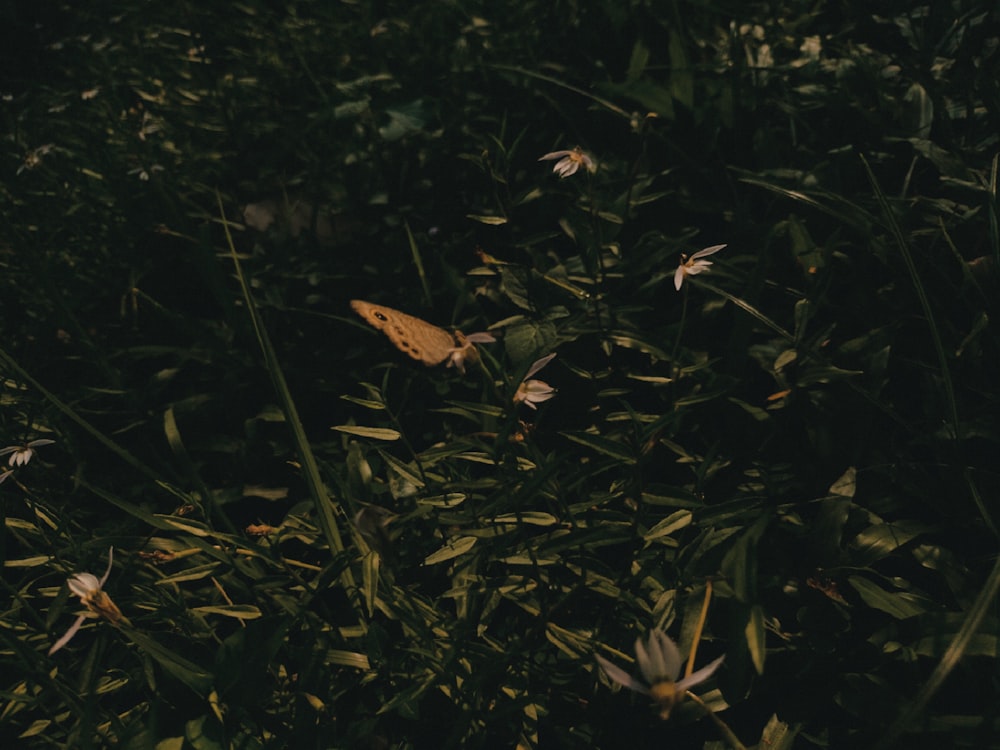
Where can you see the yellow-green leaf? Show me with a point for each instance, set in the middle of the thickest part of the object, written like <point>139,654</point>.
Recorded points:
<point>455,547</point>
<point>374,433</point>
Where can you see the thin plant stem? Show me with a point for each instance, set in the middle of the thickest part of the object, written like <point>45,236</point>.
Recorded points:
<point>702,616</point>
<point>723,727</point>
<point>680,333</point>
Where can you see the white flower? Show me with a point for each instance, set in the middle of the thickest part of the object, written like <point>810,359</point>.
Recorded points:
<point>694,265</point>
<point>531,392</point>
<point>570,161</point>
<point>660,664</point>
<point>21,454</point>
<point>89,588</point>
<point>33,158</point>
<point>467,349</point>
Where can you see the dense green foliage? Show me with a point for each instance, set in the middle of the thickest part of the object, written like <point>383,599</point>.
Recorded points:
<point>321,543</point>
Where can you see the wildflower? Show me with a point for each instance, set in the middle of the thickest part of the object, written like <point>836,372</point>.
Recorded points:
<point>694,265</point>
<point>660,664</point>
<point>531,392</point>
<point>88,587</point>
<point>21,454</point>
<point>570,161</point>
<point>33,158</point>
<point>466,349</point>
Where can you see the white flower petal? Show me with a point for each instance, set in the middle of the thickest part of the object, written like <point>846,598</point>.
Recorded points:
<point>707,251</point>
<point>538,365</point>
<point>567,167</point>
<point>533,392</point>
<point>570,161</point>
<point>84,584</point>
<point>697,267</point>
<point>68,635</point>
<point>701,675</point>
<point>658,658</point>
<point>619,675</point>
<point>554,155</point>
<point>111,557</point>
<point>481,337</point>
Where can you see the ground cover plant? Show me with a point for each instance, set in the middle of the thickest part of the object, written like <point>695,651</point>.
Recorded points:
<point>710,464</point>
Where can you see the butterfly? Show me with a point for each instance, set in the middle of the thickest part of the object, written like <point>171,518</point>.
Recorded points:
<point>421,340</point>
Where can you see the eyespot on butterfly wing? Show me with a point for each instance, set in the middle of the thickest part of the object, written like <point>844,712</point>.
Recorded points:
<point>417,338</point>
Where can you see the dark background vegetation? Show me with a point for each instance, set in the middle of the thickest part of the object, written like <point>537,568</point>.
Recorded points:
<point>811,426</point>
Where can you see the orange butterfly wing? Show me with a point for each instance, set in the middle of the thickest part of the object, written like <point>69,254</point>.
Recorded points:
<point>419,339</point>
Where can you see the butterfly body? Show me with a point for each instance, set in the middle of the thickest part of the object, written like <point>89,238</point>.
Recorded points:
<point>417,338</point>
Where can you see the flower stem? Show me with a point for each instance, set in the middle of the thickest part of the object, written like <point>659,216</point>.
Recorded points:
<point>680,332</point>
<point>699,628</point>
<point>723,727</point>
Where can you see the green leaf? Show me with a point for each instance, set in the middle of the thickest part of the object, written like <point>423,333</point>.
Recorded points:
<point>176,665</point>
<point>649,95</point>
<point>199,734</point>
<point>171,743</point>
<point>488,410</point>
<point>674,522</point>
<point>237,611</point>
<point>603,445</point>
<point>937,643</point>
<point>824,374</point>
<point>880,540</point>
<point>365,402</point>
<point>196,573</point>
<point>533,518</point>
<point>681,76</point>
<point>897,604</point>
<point>846,485</point>
<point>785,358</point>
<point>638,61</point>
<point>740,563</point>
<point>778,735</point>
<point>195,528</point>
<point>347,659</point>
<point>526,340</point>
<point>455,547</point>
<point>699,398</point>
<point>369,580</point>
<point>491,220</point>
<point>405,119</point>
<point>637,342</point>
<point>572,643</point>
<point>449,500</point>
<point>374,433</point>
<point>405,471</point>
<point>37,727</point>
<point>755,637</point>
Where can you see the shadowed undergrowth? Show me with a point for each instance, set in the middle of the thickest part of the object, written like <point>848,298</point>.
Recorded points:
<point>780,452</point>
